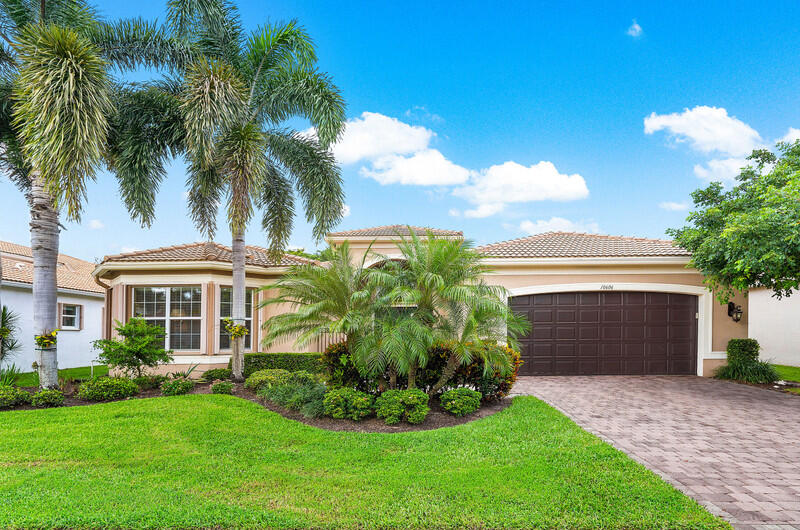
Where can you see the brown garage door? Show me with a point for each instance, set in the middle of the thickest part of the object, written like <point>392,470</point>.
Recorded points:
<point>609,333</point>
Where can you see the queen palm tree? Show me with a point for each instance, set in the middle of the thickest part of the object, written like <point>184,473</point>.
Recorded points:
<point>235,101</point>
<point>57,110</point>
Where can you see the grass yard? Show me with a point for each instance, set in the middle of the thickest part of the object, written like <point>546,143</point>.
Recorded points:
<point>215,460</point>
<point>82,372</point>
<point>788,373</point>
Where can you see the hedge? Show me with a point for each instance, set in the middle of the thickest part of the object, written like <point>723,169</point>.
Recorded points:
<point>310,362</point>
<point>742,351</point>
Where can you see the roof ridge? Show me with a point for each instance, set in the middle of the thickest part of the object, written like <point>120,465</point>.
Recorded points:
<point>588,234</point>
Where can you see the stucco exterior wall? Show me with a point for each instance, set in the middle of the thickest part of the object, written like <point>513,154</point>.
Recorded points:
<point>74,346</point>
<point>775,324</point>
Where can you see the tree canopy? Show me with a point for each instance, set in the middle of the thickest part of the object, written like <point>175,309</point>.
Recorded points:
<point>749,236</point>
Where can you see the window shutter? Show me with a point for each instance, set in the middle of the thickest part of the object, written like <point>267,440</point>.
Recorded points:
<point>60,313</point>
<point>80,319</point>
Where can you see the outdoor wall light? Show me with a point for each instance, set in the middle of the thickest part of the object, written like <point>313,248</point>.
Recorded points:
<point>734,311</point>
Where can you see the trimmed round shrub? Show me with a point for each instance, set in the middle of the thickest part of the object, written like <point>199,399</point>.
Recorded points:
<point>47,398</point>
<point>150,382</point>
<point>222,387</point>
<point>11,396</point>
<point>217,374</point>
<point>460,401</point>
<point>742,351</point>
<point>755,372</point>
<point>107,389</point>
<point>394,406</point>
<point>177,386</point>
<point>262,378</point>
<point>341,403</point>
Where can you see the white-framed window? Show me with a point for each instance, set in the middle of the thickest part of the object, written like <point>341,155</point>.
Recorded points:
<point>176,309</point>
<point>70,316</point>
<point>225,307</point>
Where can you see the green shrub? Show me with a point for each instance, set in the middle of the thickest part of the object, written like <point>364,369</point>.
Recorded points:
<point>217,374</point>
<point>757,372</point>
<point>742,351</point>
<point>177,387</point>
<point>149,382</point>
<point>11,396</point>
<point>140,347</point>
<point>258,380</point>
<point>341,370</point>
<point>47,398</point>
<point>396,405</point>
<point>307,398</point>
<point>107,389</point>
<point>301,377</point>
<point>9,374</point>
<point>222,387</point>
<point>341,403</point>
<point>289,361</point>
<point>461,401</point>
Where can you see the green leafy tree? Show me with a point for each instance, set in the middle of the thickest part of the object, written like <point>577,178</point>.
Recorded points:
<point>235,101</point>
<point>749,236</point>
<point>56,115</point>
<point>141,347</point>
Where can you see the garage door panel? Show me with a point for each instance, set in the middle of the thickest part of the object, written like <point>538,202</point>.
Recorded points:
<point>609,333</point>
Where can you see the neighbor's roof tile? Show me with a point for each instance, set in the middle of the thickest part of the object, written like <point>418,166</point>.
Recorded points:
<point>393,230</point>
<point>575,245</point>
<point>72,273</point>
<point>208,251</point>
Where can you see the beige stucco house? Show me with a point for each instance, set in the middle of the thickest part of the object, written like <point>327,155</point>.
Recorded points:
<point>598,304</point>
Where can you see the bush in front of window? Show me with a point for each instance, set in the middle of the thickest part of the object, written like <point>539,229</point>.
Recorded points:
<point>150,382</point>
<point>177,387</point>
<point>222,387</point>
<point>290,361</point>
<point>140,347</point>
<point>107,389</point>
<point>267,378</point>
<point>11,396</point>
<point>222,374</point>
<point>47,398</point>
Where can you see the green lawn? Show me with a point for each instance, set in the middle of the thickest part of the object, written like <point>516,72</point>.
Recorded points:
<point>82,372</point>
<point>215,460</point>
<point>788,373</point>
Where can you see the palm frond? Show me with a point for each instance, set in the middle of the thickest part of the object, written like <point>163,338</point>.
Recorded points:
<point>276,202</point>
<point>206,187</point>
<point>277,46</point>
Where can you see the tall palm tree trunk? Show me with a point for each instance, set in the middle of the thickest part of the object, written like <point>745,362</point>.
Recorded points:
<point>237,311</point>
<point>44,246</point>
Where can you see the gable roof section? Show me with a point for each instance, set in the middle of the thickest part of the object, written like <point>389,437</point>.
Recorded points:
<point>393,230</point>
<point>72,273</point>
<point>208,251</point>
<point>578,245</point>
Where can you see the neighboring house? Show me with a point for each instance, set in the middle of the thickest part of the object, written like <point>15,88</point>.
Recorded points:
<point>598,304</point>
<point>80,306</point>
<point>774,323</point>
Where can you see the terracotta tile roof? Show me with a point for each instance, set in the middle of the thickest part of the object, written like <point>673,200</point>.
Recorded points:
<point>392,230</point>
<point>575,245</point>
<point>72,273</point>
<point>208,251</point>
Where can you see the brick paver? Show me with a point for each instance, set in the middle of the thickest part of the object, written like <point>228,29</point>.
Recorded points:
<point>734,448</point>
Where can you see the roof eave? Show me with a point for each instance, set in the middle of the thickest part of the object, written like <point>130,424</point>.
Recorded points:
<point>181,265</point>
<point>594,260</point>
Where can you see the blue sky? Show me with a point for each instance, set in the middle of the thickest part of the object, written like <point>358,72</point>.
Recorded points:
<point>513,119</point>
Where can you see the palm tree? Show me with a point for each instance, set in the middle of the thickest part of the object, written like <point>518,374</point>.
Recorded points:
<point>333,299</point>
<point>57,107</point>
<point>442,284</point>
<point>235,100</point>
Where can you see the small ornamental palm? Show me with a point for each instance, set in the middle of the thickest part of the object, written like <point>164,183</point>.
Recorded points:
<point>57,116</point>
<point>234,100</point>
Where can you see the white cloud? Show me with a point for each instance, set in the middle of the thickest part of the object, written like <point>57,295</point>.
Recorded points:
<point>419,112</point>
<point>427,167</point>
<point>125,250</point>
<point>673,206</point>
<point>635,30</point>
<point>96,224</point>
<point>707,129</point>
<point>720,170</point>
<point>791,136</point>
<point>345,211</point>
<point>558,224</point>
<point>491,189</point>
<point>374,135</point>
<point>454,212</point>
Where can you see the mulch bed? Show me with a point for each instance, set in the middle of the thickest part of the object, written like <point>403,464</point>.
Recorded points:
<point>437,417</point>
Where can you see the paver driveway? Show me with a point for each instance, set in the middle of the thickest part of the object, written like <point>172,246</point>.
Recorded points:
<point>734,448</point>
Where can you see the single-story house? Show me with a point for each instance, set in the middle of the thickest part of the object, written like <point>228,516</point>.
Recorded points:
<point>598,304</point>
<point>80,306</point>
<point>773,322</point>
